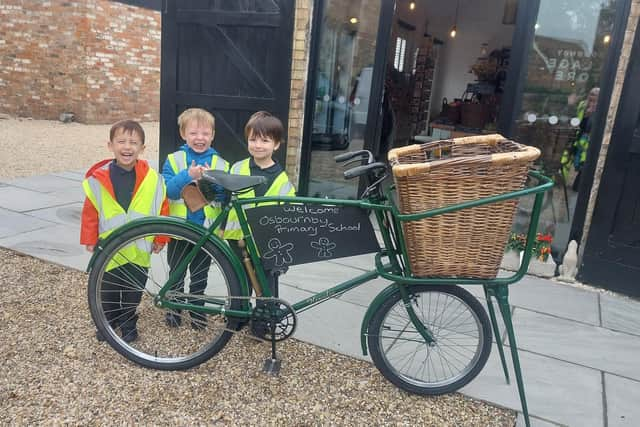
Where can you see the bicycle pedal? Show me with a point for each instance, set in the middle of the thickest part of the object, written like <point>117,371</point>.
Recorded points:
<point>272,366</point>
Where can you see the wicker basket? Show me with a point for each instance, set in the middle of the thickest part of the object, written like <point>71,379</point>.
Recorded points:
<point>469,242</point>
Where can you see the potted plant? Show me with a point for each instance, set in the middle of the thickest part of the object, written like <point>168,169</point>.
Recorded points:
<point>513,249</point>
<point>541,263</point>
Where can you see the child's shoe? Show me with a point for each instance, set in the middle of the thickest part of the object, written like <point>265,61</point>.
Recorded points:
<point>129,334</point>
<point>259,329</point>
<point>114,324</point>
<point>173,319</point>
<point>129,330</point>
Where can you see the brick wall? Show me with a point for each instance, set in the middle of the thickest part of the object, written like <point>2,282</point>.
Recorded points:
<point>299,65</point>
<point>96,58</point>
<point>632,27</point>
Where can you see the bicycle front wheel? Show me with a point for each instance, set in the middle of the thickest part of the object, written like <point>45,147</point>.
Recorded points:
<point>122,298</point>
<point>457,322</point>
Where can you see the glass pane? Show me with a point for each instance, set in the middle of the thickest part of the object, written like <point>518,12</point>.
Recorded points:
<point>343,83</point>
<point>560,95</point>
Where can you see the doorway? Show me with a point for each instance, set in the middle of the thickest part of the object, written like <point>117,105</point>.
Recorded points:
<point>612,249</point>
<point>342,89</point>
<point>446,68</point>
<point>527,70</point>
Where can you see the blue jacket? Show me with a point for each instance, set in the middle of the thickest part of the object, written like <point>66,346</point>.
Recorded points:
<point>176,182</point>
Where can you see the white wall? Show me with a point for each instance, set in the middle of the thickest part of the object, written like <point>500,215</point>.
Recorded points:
<point>478,22</point>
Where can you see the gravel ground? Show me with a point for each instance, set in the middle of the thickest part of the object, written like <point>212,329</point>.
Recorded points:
<point>54,371</point>
<point>37,147</point>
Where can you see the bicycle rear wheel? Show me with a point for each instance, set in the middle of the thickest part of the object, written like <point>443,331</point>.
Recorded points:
<point>121,299</point>
<point>462,333</point>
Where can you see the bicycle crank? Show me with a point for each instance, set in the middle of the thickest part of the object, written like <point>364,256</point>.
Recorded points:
<point>276,310</point>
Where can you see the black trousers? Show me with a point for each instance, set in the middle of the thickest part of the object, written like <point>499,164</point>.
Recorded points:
<point>121,293</point>
<point>198,268</point>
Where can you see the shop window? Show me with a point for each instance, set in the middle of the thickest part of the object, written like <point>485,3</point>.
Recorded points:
<point>343,80</point>
<point>560,94</point>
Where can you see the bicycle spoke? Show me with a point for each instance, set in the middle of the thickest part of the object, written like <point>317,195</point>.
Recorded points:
<point>460,344</point>
<point>124,298</point>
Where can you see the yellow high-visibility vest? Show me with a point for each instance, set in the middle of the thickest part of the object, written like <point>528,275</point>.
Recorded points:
<point>280,187</point>
<point>177,207</point>
<point>147,201</point>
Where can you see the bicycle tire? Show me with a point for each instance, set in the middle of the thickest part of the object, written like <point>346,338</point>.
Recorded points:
<point>454,359</point>
<point>162,344</point>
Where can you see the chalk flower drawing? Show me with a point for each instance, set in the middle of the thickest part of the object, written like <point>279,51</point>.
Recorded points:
<point>279,251</point>
<point>324,247</point>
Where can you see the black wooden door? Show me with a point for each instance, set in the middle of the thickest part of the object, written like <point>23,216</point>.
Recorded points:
<point>612,252</point>
<point>230,57</point>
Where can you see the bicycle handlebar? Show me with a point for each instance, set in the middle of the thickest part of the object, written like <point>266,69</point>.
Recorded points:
<point>351,154</point>
<point>361,170</point>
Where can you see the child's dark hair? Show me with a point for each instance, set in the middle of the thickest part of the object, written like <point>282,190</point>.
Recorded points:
<point>127,126</point>
<point>264,124</point>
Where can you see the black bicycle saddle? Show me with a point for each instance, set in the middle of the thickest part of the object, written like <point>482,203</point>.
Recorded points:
<point>233,182</point>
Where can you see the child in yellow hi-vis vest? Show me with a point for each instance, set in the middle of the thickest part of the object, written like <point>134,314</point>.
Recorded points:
<point>119,190</point>
<point>264,133</point>
<point>197,129</point>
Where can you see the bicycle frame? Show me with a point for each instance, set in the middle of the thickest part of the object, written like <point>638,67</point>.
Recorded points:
<point>391,263</point>
<point>389,221</point>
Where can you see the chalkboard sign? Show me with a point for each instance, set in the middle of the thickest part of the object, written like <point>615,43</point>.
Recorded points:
<point>298,234</point>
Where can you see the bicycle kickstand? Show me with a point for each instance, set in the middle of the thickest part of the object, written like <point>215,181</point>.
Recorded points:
<point>272,365</point>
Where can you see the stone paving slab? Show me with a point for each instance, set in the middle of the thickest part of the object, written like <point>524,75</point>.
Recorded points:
<point>23,200</point>
<point>14,223</point>
<point>365,293</point>
<point>318,276</point>
<point>43,183</point>
<point>535,422</point>
<point>72,175</point>
<point>363,262</point>
<point>620,313</point>
<point>623,396</point>
<point>591,346</point>
<point>334,325</point>
<point>557,392</point>
<point>562,300</point>
<point>59,244</point>
<point>67,214</point>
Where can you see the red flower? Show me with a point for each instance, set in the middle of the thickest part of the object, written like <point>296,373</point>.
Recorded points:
<point>545,238</point>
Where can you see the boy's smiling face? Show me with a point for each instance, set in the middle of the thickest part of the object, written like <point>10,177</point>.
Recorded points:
<point>126,147</point>
<point>198,136</point>
<point>261,147</point>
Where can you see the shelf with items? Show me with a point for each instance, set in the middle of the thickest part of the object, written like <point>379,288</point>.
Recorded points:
<point>422,82</point>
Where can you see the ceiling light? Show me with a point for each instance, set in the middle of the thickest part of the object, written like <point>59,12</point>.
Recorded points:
<point>606,39</point>
<point>454,29</point>
<point>412,5</point>
<point>353,20</point>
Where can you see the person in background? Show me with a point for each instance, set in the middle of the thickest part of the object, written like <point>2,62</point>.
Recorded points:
<point>576,154</point>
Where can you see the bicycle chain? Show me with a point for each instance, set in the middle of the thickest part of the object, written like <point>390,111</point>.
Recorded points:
<point>244,298</point>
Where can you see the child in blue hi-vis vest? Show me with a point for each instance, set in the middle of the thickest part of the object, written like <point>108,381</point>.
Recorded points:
<point>197,129</point>
<point>264,133</point>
